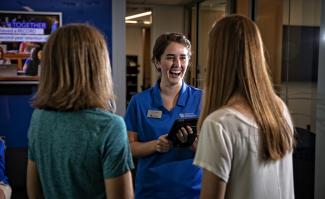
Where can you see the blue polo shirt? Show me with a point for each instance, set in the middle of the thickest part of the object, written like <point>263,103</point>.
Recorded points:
<point>171,174</point>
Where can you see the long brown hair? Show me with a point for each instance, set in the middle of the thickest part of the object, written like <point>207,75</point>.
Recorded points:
<point>75,71</point>
<point>236,65</point>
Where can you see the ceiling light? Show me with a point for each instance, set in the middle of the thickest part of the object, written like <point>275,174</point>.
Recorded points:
<point>27,8</point>
<point>130,21</point>
<point>147,22</point>
<point>138,15</point>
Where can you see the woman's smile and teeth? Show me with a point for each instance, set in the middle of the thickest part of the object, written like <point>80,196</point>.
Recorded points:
<point>175,73</point>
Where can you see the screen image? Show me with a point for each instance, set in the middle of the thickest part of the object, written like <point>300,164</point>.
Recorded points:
<point>27,26</point>
<point>23,32</point>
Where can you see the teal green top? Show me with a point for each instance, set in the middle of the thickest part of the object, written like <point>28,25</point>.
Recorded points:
<point>75,151</point>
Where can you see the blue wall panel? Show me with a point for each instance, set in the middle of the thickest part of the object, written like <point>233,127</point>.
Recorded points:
<point>15,109</point>
<point>14,119</point>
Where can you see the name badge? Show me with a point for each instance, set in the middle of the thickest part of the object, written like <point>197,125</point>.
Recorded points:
<point>154,114</point>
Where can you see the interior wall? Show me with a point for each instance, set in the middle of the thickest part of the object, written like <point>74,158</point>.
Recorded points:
<point>269,18</point>
<point>207,17</point>
<point>161,23</point>
<point>242,7</point>
<point>118,52</point>
<point>303,18</point>
<point>98,13</point>
<point>16,107</point>
<point>165,19</point>
<point>134,46</point>
<point>320,124</point>
<point>301,12</point>
<point>146,58</point>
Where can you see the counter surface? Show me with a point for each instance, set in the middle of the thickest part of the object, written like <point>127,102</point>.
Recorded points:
<point>9,74</point>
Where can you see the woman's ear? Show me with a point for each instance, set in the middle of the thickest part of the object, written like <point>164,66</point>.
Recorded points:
<point>157,65</point>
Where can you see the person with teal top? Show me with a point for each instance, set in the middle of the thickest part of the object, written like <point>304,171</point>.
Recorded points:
<point>77,146</point>
<point>163,170</point>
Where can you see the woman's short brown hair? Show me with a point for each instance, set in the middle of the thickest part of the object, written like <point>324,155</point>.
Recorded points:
<point>75,71</point>
<point>164,40</point>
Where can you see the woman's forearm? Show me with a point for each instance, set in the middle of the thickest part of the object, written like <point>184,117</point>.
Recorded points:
<point>142,149</point>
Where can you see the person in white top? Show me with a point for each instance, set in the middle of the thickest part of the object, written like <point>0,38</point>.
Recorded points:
<point>246,134</point>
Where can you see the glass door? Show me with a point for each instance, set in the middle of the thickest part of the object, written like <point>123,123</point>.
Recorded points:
<point>290,30</point>
<point>204,14</point>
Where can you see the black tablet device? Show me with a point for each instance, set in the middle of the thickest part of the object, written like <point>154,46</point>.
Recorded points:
<point>178,124</point>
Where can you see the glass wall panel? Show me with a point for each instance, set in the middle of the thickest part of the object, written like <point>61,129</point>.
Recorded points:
<point>301,25</point>
<point>209,11</point>
<point>290,30</point>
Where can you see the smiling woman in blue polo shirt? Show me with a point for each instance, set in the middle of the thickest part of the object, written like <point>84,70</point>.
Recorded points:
<point>164,171</point>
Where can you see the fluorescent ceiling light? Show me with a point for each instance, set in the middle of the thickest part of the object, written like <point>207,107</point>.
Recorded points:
<point>27,8</point>
<point>138,15</point>
<point>130,21</point>
<point>147,22</point>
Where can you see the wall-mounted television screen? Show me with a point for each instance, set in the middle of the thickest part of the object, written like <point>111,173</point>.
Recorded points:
<point>20,34</point>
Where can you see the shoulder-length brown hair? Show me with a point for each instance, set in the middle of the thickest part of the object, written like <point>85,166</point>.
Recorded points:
<point>164,40</point>
<point>236,64</point>
<point>75,71</point>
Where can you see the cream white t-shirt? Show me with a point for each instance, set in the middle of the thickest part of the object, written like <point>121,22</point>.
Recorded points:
<point>229,148</point>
